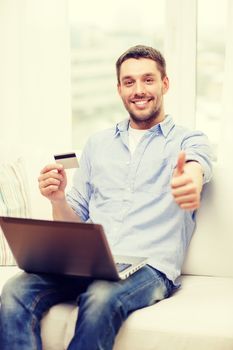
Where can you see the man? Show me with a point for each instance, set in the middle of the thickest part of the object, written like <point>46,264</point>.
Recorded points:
<point>142,181</point>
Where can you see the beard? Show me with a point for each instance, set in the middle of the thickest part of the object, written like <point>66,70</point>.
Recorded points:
<point>146,121</point>
<point>149,119</point>
<point>146,118</point>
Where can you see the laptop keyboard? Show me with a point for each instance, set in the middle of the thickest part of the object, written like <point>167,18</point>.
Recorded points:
<point>122,266</point>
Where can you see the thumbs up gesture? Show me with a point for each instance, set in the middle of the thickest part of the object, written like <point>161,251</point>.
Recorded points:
<point>187,183</point>
<point>180,164</point>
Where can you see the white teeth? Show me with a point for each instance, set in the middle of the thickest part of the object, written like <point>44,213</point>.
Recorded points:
<point>140,103</point>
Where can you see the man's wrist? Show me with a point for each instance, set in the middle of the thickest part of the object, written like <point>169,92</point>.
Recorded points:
<point>194,169</point>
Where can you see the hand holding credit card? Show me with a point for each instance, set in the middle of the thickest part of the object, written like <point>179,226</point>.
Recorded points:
<point>68,160</point>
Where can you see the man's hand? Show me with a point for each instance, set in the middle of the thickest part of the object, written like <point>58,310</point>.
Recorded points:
<point>52,182</point>
<point>187,183</point>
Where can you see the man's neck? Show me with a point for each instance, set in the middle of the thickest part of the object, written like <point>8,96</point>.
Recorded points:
<point>144,125</point>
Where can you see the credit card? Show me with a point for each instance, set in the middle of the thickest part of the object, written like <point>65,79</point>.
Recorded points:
<point>68,160</point>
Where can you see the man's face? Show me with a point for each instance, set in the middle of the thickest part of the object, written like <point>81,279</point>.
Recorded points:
<point>141,89</point>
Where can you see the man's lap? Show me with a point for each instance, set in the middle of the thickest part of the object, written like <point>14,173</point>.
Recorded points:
<point>146,286</point>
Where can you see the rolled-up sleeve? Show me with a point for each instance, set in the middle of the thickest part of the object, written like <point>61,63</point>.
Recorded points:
<point>197,148</point>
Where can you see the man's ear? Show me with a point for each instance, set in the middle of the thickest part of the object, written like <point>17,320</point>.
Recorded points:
<point>119,88</point>
<point>165,84</point>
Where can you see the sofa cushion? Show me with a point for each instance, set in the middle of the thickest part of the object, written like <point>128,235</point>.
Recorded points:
<point>60,322</point>
<point>14,200</point>
<point>198,316</point>
<point>210,251</point>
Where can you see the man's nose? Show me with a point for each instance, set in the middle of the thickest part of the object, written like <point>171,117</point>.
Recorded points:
<point>139,88</point>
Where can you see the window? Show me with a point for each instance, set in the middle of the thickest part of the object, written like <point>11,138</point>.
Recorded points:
<point>100,32</point>
<point>210,66</point>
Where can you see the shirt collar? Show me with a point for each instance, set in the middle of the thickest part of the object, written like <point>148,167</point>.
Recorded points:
<point>164,127</point>
<point>122,126</point>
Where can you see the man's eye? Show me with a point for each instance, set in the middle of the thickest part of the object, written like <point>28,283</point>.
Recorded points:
<point>149,80</point>
<point>128,82</point>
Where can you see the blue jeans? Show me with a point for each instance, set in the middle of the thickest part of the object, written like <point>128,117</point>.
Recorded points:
<point>103,306</point>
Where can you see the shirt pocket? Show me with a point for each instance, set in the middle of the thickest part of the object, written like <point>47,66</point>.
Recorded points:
<point>155,176</point>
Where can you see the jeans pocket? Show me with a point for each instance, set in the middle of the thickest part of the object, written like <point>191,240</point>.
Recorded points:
<point>167,284</point>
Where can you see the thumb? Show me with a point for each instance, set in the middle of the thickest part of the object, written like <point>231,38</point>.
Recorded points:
<point>180,163</point>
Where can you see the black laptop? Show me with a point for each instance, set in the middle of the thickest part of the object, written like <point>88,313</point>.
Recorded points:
<point>69,248</point>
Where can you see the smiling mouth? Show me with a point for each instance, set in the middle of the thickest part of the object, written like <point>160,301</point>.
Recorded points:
<point>141,103</point>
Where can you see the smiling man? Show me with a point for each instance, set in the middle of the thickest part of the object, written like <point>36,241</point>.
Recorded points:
<point>141,85</point>
<point>142,181</point>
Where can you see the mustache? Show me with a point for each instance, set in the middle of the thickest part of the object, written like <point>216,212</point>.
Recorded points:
<point>137,98</point>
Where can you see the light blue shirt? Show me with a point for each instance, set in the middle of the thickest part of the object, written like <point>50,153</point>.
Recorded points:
<point>130,195</point>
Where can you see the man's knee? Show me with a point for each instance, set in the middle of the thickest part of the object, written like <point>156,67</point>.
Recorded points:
<point>101,290</point>
<point>11,290</point>
<point>103,297</point>
<point>16,289</point>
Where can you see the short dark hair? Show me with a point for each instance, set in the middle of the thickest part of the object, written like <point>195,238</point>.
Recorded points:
<point>142,51</point>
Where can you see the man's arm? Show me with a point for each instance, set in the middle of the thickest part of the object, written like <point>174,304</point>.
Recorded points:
<point>52,184</point>
<point>62,211</point>
<point>187,182</point>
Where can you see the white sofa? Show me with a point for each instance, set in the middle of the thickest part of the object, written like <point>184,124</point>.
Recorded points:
<point>199,315</point>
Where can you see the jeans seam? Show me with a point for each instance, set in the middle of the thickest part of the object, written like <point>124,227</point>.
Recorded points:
<point>39,297</point>
<point>35,319</point>
<point>112,315</point>
<point>33,322</point>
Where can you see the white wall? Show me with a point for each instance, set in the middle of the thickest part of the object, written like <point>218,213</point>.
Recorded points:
<point>226,139</point>
<point>180,54</point>
<point>35,110</point>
